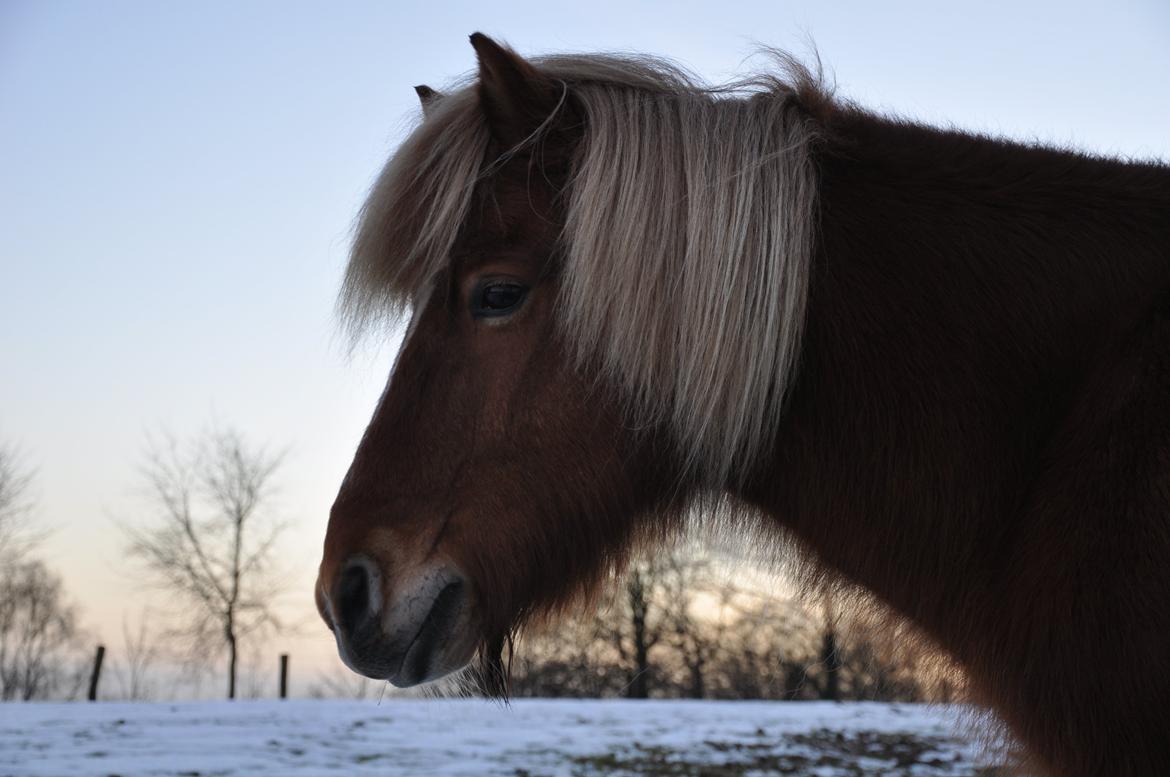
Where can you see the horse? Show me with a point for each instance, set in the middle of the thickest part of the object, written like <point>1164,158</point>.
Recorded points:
<point>937,363</point>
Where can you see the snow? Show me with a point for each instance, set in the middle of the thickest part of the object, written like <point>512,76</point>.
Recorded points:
<point>476,737</point>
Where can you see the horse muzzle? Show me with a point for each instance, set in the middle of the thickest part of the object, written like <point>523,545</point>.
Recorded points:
<point>414,631</point>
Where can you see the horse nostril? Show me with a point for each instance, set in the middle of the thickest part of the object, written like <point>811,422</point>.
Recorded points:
<point>356,595</point>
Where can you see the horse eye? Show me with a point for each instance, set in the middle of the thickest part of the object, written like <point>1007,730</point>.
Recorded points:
<point>497,298</point>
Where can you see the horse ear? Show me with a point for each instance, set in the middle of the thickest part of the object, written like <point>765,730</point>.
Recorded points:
<point>427,96</point>
<point>516,97</point>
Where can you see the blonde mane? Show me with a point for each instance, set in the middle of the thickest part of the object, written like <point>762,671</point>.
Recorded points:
<point>688,237</point>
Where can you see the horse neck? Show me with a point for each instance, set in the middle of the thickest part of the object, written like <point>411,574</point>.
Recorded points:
<point>961,289</point>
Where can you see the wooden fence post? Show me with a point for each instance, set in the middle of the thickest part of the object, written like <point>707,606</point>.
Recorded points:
<point>284,675</point>
<point>97,672</point>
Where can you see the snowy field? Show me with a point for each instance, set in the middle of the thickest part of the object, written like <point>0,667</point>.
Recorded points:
<point>473,737</point>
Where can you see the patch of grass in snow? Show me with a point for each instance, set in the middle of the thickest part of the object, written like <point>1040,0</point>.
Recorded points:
<point>855,754</point>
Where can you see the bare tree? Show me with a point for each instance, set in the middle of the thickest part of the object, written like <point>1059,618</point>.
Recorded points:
<point>636,624</point>
<point>140,651</point>
<point>694,639</point>
<point>38,634</point>
<point>15,538</point>
<point>830,650</point>
<point>644,630</point>
<point>650,610</point>
<point>38,628</point>
<point>765,649</point>
<point>609,650</point>
<point>575,659</point>
<point>211,539</point>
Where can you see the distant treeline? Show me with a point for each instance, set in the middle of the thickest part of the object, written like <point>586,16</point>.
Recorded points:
<point>679,627</point>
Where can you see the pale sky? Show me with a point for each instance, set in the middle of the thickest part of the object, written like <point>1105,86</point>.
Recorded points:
<point>178,182</point>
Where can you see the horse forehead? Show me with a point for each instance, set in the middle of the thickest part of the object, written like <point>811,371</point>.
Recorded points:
<point>514,228</point>
<point>517,199</point>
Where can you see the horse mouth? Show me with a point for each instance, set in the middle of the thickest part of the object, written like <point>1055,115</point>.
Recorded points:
<point>426,633</point>
<point>418,664</point>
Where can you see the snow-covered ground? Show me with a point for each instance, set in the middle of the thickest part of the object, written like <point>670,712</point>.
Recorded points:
<point>473,737</point>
